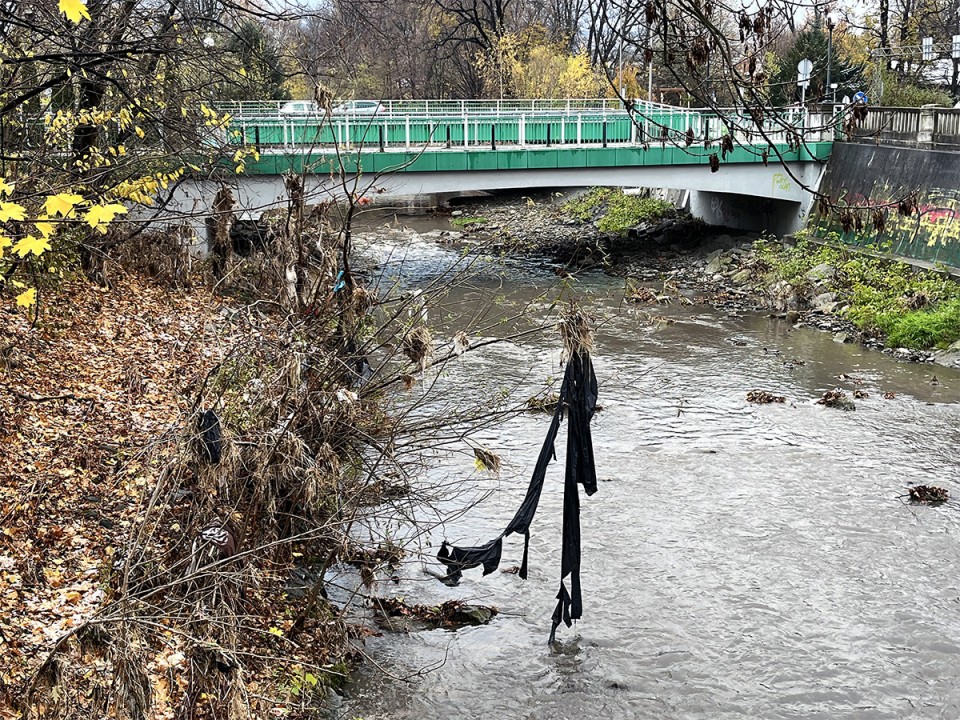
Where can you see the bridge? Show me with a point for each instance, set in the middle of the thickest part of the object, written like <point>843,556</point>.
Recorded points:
<point>435,147</point>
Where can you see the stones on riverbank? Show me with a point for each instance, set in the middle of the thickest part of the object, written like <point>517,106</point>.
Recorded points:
<point>908,355</point>
<point>646,296</point>
<point>949,357</point>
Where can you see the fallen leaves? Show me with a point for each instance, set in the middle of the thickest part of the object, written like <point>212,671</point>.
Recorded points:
<point>71,471</point>
<point>763,397</point>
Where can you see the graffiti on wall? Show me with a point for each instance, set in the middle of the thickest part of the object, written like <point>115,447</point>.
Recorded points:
<point>872,182</point>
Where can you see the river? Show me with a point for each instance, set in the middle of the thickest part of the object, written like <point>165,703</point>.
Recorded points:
<point>739,561</point>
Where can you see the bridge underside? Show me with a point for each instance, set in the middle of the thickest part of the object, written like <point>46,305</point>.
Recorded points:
<point>745,194</point>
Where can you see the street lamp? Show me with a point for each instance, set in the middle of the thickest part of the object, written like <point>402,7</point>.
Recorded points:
<point>830,26</point>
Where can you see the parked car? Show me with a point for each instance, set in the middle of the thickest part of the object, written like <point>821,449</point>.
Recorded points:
<point>299,107</point>
<point>359,107</point>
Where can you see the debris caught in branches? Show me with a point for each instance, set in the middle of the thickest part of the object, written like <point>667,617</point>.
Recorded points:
<point>578,397</point>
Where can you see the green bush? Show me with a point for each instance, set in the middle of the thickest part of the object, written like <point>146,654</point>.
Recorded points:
<point>903,93</point>
<point>614,211</point>
<point>917,309</point>
<point>585,207</point>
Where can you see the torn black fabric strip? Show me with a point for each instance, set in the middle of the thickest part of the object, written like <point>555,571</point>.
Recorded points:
<point>528,508</point>
<point>458,559</point>
<point>578,398</point>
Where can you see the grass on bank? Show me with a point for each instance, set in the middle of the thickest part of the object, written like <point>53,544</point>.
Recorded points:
<point>918,309</point>
<point>615,212</point>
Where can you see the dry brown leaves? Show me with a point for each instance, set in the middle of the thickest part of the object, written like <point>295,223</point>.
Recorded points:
<point>763,397</point>
<point>103,374</point>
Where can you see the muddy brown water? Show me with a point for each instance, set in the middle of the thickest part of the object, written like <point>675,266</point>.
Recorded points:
<point>739,561</point>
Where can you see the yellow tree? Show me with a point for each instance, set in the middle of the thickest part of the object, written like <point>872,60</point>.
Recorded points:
<point>101,111</point>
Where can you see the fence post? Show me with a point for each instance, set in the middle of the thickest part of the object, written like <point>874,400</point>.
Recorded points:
<point>927,122</point>
<point>380,131</point>
<point>407,130</point>
<point>548,132</point>
<point>579,128</point>
<point>604,133</point>
<point>493,136</point>
<point>466,130</point>
<point>522,133</point>
<point>256,137</point>
<point>448,137</point>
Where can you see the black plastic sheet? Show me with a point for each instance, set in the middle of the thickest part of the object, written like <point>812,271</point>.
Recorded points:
<point>578,398</point>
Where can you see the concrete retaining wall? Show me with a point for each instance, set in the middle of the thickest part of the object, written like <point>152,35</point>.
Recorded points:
<point>873,176</point>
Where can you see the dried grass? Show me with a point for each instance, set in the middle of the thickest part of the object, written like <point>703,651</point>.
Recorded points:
<point>575,332</point>
<point>418,346</point>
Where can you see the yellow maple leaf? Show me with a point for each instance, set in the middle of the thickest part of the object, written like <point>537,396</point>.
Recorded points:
<point>31,244</point>
<point>74,10</point>
<point>6,188</point>
<point>44,228</point>
<point>99,216</point>
<point>11,211</point>
<point>62,204</point>
<point>28,298</point>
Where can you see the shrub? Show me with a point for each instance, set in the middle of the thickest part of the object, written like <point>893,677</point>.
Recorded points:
<point>614,211</point>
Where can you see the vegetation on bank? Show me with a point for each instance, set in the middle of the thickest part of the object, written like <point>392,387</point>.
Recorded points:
<point>118,591</point>
<point>615,212</point>
<point>918,309</point>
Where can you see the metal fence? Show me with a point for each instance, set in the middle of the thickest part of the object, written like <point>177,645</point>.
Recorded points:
<point>541,128</point>
<point>304,108</point>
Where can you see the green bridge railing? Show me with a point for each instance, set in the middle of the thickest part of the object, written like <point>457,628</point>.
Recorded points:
<point>481,128</point>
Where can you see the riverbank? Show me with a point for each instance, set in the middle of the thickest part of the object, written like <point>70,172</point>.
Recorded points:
<point>186,459</point>
<point>886,305</point>
<point>108,489</point>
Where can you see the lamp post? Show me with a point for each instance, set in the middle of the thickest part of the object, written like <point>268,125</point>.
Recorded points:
<point>830,25</point>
